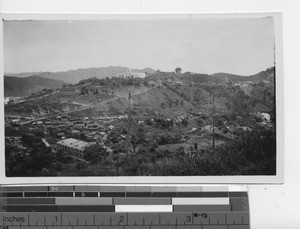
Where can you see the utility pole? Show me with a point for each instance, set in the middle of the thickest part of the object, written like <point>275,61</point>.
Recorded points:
<point>213,116</point>
<point>128,124</point>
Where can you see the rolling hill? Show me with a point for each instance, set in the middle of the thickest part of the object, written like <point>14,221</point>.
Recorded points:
<point>73,76</point>
<point>268,74</point>
<point>15,86</point>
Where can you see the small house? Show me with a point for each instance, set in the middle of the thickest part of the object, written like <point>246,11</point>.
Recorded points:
<point>265,117</point>
<point>39,123</point>
<point>111,127</point>
<point>60,135</point>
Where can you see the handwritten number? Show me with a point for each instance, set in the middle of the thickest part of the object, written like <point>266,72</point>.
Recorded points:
<point>203,215</point>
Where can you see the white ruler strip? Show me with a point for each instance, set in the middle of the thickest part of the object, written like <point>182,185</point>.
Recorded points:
<point>143,208</point>
<point>200,201</point>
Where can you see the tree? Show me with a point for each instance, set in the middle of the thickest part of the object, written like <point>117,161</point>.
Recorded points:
<point>95,153</point>
<point>180,151</point>
<point>84,91</point>
<point>196,146</point>
<point>178,70</point>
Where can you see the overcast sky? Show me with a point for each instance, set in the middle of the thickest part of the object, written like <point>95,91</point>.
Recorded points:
<point>238,46</point>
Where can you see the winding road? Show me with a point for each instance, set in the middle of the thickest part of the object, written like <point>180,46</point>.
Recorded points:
<point>86,107</point>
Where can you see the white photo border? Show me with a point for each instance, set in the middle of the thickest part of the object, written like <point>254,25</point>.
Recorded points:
<point>278,178</point>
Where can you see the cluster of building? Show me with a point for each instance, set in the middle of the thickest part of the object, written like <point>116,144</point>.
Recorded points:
<point>95,128</point>
<point>175,82</point>
<point>129,74</point>
<point>13,100</point>
<point>16,143</point>
<point>69,131</point>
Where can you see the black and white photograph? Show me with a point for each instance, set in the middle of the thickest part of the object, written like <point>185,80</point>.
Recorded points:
<point>175,95</point>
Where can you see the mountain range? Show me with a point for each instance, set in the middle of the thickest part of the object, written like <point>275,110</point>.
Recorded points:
<point>73,76</point>
<point>22,84</point>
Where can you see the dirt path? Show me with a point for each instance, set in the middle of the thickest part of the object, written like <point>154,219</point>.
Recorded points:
<point>85,108</point>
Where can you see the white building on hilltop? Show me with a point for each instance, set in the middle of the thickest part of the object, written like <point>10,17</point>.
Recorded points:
<point>131,74</point>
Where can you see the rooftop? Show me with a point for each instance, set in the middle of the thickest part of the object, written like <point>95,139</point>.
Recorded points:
<point>75,143</point>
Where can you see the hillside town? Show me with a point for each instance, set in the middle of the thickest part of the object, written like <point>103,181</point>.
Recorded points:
<point>132,124</point>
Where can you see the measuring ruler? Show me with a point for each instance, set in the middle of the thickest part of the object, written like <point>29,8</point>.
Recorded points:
<point>124,207</point>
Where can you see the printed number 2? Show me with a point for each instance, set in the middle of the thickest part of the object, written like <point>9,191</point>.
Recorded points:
<point>121,219</point>
<point>188,219</point>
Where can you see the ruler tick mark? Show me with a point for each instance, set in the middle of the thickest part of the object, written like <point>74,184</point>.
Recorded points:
<point>192,218</point>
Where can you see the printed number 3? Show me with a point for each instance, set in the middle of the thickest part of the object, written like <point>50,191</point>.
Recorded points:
<point>188,218</point>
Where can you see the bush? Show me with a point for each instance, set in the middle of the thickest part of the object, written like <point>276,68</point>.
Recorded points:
<point>253,153</point>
